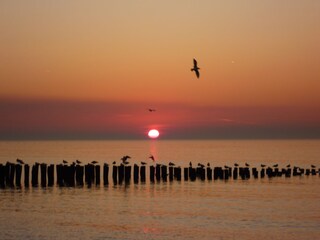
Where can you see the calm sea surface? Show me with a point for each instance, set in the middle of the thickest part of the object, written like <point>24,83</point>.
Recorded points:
<point>277,208</point>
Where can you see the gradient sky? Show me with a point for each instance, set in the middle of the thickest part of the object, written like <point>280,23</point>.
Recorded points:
<point>90,69</point>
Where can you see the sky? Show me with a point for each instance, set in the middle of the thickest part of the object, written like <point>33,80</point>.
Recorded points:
<point>91,69</point>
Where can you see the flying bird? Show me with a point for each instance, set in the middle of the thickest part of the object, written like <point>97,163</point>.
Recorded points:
<point>151,110</point>
<point>151,157</point>
<point>125,158</point>
<point>20,161</point>
<point>195,68</point>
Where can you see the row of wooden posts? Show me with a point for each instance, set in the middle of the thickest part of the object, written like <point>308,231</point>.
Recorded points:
<point>76,175</point>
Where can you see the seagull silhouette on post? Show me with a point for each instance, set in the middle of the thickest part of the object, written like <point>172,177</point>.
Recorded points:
<point>195,68</point>
<point>151,157</point>
<point>125,158</point>
<point>20,161</point>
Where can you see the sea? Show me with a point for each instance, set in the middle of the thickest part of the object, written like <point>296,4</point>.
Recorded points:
<point>268,208</point>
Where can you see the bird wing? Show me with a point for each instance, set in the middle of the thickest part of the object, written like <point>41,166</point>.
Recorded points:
<point>195,63</point>
<point>197,73</point>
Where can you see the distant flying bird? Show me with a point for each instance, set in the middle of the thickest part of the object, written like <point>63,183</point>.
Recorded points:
<point>151,110</point>
<point>143,163</point>
<point>94,162</point>
<point>125,158</point>
<point>151,157</point>
<point>171,164</point>
<point>64,161</point>
<point>195,68</point>
<point>20,161</point>
<point>78,162</point>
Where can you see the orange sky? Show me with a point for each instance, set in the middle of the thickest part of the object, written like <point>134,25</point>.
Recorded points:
<point>255,57</point>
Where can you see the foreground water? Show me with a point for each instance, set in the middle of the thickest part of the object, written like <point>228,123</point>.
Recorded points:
<point>277,208</point>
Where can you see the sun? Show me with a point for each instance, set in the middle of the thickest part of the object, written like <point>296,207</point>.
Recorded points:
<point>153,133</point>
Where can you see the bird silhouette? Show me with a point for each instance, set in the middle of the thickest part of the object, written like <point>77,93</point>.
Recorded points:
<point>190,164</point>
<point>94,162</point>
<point>200,165</point>
<point>247,165</point>
<point>208,164</point>
<point>64,161</point>
<point>195,68</point>
<point>171,164</point>
<point>225,166</point>
<point>313,166</point>
<point>236,165</point>
<point>78,162</point>
<point>20,161</point>
<point>263,165</point>
<point>288,165</point>
<point>143,163</point>
<point>125,158</point>
<point>151,157</point>
<point>276,165</point>
<point>151,110</point>
<point>114,162</point>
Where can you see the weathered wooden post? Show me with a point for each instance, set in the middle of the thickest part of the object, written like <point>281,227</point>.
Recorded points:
<point>170,174</point>
<point>59,169</point>
<point>121,173</point>
<point>127,174</point>
<point>235,173</point>
<point>35,173</point>
<point>115,174</point>
<point>50,175</point>
<point>143,173</point>
<point>276,172</point>
<point>18,175</point>
<point>43,170</point>
<point>177,173</point>
<point>209,173</point>
<point>288,172</point>
<point>262,173</point>
<point>226,174</point>
<point>79,175</point>
<point>247,172</point>
<point>105,174</point>
<point>97,172</point>
<point>152,172</point>
<point>186,173</point>
<point>135,173</point>
<point>12,174</point>
<point>89,174</point>
<point>202,174</point>
<point>71,171</point>
<point>2,176</point>
<point>158,167</point>
<point>313,171</point>
<point>255,173</point>
<point>164,173</point>
<point>307,172</point>
<point>7,174</point>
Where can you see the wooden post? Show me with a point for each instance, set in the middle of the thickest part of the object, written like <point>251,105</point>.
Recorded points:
<point>247,173</point>
<point>288,172</point>
<point>143,173</point>
<point>177,173</point>
<point>276,172</point>
<point>121,173</point>
<point>313,171</point>
<point>164,173</point>
<point>226,174</point>
<point>12,174</point>
<point>135,173</point>
<point>203,174</point>
<point>79,175</point>
<point>262,173</point>
<point>35,173</point>
<point>255,172</point>
<point>50,175</point>
<point>43,169</point>
<point>235,173</point>
<point>127,174</point>
<point>152,170</point>
<point>186,173</point>
<point>59,168</point>
<point>18,175</point>
<point>307,172</point>
<point>209,173</point>
<point>7,174</point>
<point>97,172</point>
<point>105,174</point>
<point>2,176</point>
<point>115,174</point>
<point>170,174</point>
<point>193,173</point>
<point>158,176</point>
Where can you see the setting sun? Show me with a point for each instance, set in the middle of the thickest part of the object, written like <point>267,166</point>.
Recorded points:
<point>153,133</point>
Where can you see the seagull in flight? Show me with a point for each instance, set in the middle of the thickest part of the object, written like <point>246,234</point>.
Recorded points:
<point>195,68</point>
<point>151,110</point>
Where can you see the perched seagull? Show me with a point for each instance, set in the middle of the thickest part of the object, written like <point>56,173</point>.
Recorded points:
<point>276,165</point>
<point>190,164</point>
<point>151,110</point>
<point>195,68</point>
<point>151,157</point>
<point>288,165</point>
<point>64,161</point>
<point>20,161</point>
<point>114,162</point>
<point>247,164</point>
<point>313,166</point>
<point>208,164</point>
<point>200,165</point>
<point>171,164</point>
<point>225,166</point>
<point>78,162</point>
<point>143,163</point>
<point>94,162</point>
<point>263,165</point>
<point>236,165</point>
